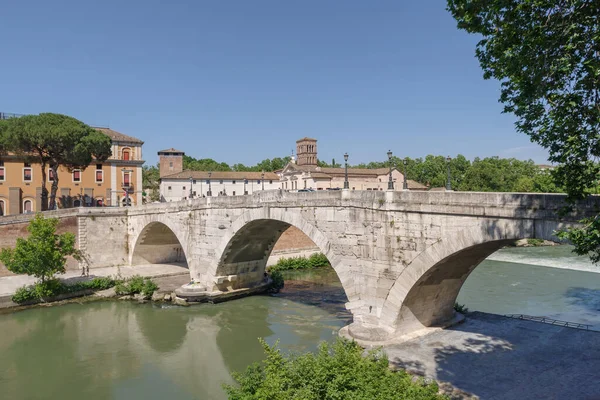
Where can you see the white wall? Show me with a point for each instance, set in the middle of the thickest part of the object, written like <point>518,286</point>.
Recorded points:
<point>180,188</point>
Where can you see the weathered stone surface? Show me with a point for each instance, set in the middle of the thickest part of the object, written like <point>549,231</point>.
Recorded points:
<point>180,302</point>
<point>402,257</point>
<point>158,296</point>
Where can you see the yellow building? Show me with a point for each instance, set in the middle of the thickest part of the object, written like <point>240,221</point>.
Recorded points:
<point>115,182</point>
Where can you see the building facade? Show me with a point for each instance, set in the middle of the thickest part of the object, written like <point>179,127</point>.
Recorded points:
<point>177,184</point>
<point>304,173</point>
<point>114,182</point>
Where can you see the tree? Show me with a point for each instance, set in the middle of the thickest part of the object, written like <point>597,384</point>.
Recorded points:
<point>43,254</point>
<point>150,181</point>
<point>336,371</point>
<point>56,140</point>
<point>546,55</point>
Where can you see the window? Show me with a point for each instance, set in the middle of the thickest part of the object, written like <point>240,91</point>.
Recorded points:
<point>171,165</point>
<point>77,175</point>
<point>126,154</point>
<point>27,174</point>
<point>2,173</point>
<point>51,175</point>
<point>126,179</point>
<point>258,181</point>
<point>233,182</point>
<point>99,176</point>
<point>234,192</point>
<point>27,206</point>
<point>184,188</point>
<point>1,208</point>
<point>271,182</point>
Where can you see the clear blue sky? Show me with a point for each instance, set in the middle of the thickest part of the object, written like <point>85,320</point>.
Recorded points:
<point>241,81</point>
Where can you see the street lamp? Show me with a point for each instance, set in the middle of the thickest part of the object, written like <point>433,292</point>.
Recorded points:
<point>127,171</point>
<point>390,182</point>
<point>209,187</point>
<point>262,179</point>
<point>346,183</point>
<point>448,183</point>
<point>191,183</point>
<point>405,185</point>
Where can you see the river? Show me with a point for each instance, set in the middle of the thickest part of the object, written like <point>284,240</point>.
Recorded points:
<point>122,350</point>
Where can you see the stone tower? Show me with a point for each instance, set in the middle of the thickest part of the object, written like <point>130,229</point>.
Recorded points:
<point>306,151</point>
<point>171,161</point>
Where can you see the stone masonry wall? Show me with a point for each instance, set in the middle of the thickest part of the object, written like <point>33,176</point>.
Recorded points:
<point>15,226</point>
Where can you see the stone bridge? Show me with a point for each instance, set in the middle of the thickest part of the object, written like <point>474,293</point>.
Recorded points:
<point>401,257</point>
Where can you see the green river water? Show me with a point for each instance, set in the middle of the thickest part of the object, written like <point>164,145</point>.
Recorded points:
<point>123,350</point>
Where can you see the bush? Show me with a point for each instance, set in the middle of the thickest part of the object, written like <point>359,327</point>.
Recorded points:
<point>314,261</point>
<point>535,242</point>
<point>277,281</point>
<point>336,371</point>
<point>54,287</point>
<point>460,308</point>
<point>136,284</point>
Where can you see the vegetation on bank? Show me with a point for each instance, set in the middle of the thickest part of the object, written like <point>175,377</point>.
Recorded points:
<point>49,289</point>
<point>294,263</point>
<point>337,371</point>
<point>461,308</point>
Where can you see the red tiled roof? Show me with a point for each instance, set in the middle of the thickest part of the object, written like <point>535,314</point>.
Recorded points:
<point>118,136</point>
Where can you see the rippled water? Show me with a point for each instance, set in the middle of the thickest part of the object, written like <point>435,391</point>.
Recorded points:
<point>121,350</point>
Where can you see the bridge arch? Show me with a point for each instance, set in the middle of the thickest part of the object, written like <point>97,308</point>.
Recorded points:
<point>243,251</point>
<point>426,290</point>
<point>157,243</point>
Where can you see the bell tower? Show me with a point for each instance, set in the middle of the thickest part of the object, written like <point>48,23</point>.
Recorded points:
<point>306,151</point>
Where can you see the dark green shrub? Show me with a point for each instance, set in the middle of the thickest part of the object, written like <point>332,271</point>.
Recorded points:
<point>460,308</point>
<point>535,242</point>
<point>277,281</point>
<point>314,261</point>
<point>134,285</point>
<point>25,293</point>
<point>336,371</point>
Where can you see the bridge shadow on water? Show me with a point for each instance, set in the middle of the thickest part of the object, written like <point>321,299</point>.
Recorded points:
<point>491,356</point>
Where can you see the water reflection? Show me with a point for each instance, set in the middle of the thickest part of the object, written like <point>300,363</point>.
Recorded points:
<point>121,350</point>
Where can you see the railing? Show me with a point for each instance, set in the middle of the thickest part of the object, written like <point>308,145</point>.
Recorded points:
<point>550,321</point>
<point>4,115</point>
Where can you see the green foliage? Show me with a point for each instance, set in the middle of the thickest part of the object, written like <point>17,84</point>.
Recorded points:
<point>54,287</point>
<point>314,261</point>
<point>535,242</point>
<point>460,308</point>
<point>43,253</point>
<point>136,284</point>
<point>277,281</point>
<point>150,181</point>
<point>545,55</point>
<point>55,140</point>
<point>337,371</point>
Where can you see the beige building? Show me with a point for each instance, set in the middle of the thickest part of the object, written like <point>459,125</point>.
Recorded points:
<point>115,182</point>
<point>304,173</point>
<point>177,184</point>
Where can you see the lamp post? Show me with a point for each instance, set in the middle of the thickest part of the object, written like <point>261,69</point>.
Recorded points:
<point>262,179</point>
<point>245,183</point>
<point>391,181</point>
<point>126,171</point>
<point>209,187</point>
<point>448,183</point>
<point>191,183</point>
<point>405,185</point>
<point>346,183</point>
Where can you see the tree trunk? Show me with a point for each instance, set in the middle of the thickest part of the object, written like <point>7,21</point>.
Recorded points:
<point>54,188</point>
<point>44,205</point>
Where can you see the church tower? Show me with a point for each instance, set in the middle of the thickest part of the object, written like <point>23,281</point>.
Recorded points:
<point>306,151</point>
